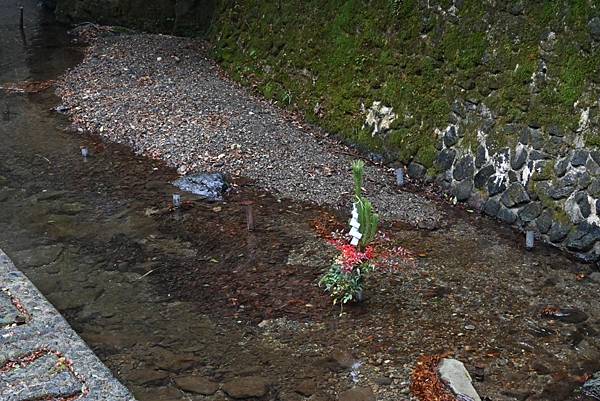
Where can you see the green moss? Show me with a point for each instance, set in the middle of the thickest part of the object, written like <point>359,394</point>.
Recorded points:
<point>342,53</point>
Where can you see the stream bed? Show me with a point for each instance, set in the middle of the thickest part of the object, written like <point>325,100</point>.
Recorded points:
<point>179,303</point>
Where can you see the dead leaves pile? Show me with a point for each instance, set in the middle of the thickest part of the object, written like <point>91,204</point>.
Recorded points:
<point>426,384</point>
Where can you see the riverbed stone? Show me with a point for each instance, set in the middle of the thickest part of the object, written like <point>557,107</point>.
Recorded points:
<point>515,195</point>
<point>306,387</point>
<point>584,180</point>
<point>464,168</point>
<point>454,374</point>
<point>357,394</point>
<point>246,387</point>
<point>211,186</point>
<point>39,256</point>
<point>196,384</point>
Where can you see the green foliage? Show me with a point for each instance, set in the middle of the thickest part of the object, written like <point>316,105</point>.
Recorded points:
<point>368,219</point>
<point>344,287</point>
<point>358,168</point>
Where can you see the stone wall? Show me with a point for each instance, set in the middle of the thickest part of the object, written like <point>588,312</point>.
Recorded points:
<point>548,181</point>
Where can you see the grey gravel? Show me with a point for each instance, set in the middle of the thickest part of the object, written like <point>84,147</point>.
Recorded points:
<point>164,97</point>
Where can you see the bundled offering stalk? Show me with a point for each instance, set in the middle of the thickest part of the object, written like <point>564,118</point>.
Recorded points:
<point>345,278</point>
<point>368,219</point>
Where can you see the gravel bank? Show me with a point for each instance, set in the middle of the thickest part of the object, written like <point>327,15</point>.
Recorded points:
<point>164,97</point>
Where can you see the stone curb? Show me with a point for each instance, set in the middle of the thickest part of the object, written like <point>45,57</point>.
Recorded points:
<point>80,376</point>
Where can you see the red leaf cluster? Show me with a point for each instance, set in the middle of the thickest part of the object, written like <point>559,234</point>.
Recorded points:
<point>426,384</point>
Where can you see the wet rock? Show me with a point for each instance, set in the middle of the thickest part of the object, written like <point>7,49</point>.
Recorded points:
<point>567,315</point>
<point>462,190</point>
<point>544,222</point>
<point>357,394</point>
<point>445,159</point>
<point>457,378</point>
<point>197,385</point>
<point>210,186</point>
<point>481,156</point>
<point>584,204</point>
<point>561,166</point>
<point>530,212</point>
<point>451,137</point>
<point>536,138</point>
<point>518,158</point>
<point>246,387</point>
<point>583,238</point>
<point>557,232</point>
<point>561,191</point>
<point>594,188</point>
<point>416,171</point>
<point>147,376</point>
<point>579,157</point>
<point>506,215</point>
<point>464,168</point>
<point>491,207</point>
<point>496,185</point>
<point>591,388</point>
<point>515,195</point>
<point>483,175</point>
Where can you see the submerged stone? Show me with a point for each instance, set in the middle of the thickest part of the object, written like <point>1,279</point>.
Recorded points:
<point>211,186</point>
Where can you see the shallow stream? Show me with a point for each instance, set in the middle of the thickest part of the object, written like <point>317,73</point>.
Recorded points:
<point>162,294</point>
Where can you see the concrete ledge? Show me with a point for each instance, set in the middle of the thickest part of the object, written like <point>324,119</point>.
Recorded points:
<point>40,354</point>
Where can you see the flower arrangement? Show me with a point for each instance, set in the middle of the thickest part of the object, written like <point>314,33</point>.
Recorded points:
<point>344,280</point>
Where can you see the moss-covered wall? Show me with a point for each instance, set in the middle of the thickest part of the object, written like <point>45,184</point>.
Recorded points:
<point>496,100</point>
<point>325,58</point>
